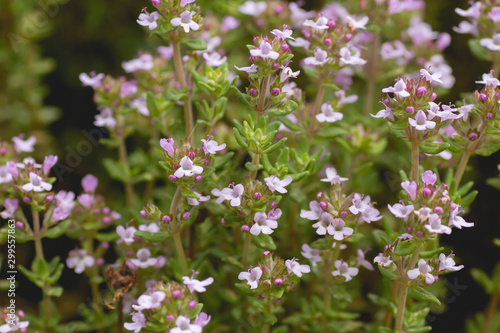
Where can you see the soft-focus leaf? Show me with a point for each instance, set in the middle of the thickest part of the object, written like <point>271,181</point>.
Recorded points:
<point>423,294</point>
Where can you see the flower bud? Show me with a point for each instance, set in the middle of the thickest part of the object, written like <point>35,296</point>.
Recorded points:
<point>155,3</point>
<point>106,210</point>
<point>166,219</point>
<point>426,192</point>
<point>276,66</point>
<point>245,228</point>
<point>252,92</point>
<point>489,116</point>
<point>266,253</point>
<point>408,229</point>
<point>191,154</point>
<point>130,253</point>
<point>169,317</point>
<point>472,136</point>
<point>143,213</point>
<point>328,41</point>
<point>318,196</point>
<point>176,294</point>
<point>175,166</point>
<point>186,215</point>
<point>275,91</point>
<point>323,205</point>
<point>285,47</point>
<point>26,199</point>
<point>331,24</point>
<point>343,213</point>
<point>172,178</point>
<point>105,245</point>
<point>278,281</point>
<point>222,221</point>
<point>421,91</point>
<point>99,262</point>
<point>438,210</point>
<point>257,195</point>
<point>198,178</point>
<point>278,9</point>
<point>252,59</point>
<point>420,233</point>
<point>19,225</point>
<point>277,301</point>
<point>192,304</point>
<point>347,37</point>
<point>410,109</point>
<point>483,98</point>
<point>434,96</point>
<point>273,204</point>
<point>106,220</point>
<point>96,211</point>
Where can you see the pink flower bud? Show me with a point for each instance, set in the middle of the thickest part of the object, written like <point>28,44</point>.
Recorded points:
<point>453,206</point>
<point>106,220</point>
<point>3,151</point>
<point>347,37</point>
<point>420,233</point>
<point>410,109</point>
<point>257,195</point>
<point>483,98</point>
<point>222,221</point>
<point>99,262</point>
<point>191,155</point>
<point>273,204</point>
<point>328,41</point>
<point>198,178</point>
<point>421,91</point>
<point>277,301</point>
<point>278,281</point>
<point>143,213</point>
<point>408,229</point>
<point>176,294</point>
<point>107,87</point>
<point>323,205</point>
<point>252,59</point>
<point>192,304</point>
<point>26,199</point>
<point>426,192</point>
<point>245,228</point>
<point>275,91</point>
<point>489,116</point>
<point>343,213</point>
<point>155,2</point>
<point>285,47</point>
<point>438,210</point>
<point>172,178</point>
<point>96,211</point>
<point>176,166</point>
<point>169,318</point>
<point>434,96</point>
<point>276,66</point>
<point>472,136</point>
<point>19,225</point>
<point>318,196</point>
<point>105,245</point>
<point>278,9</point>
<point>331,24</point>
<point>186,215</point>
<point>166,219</point>
<point>266,253</point>
<point>252,92</point>
<point>130,253</point>
<point>20,313</point>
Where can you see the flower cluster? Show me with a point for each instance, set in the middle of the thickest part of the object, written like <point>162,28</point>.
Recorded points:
<point>10,321</point>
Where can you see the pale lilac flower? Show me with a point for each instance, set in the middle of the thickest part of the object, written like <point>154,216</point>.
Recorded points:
<point>202,319</point>
<point>143,260</point>
<point>126,235</point>
<point>344,270</point>
<point>332,177</point>
<point>466,27</point>
<point>489,79</point>
<point>168,145</point>
<point>314,213</point>
<point>420,32</point>
<point>21,145</point>
<point>324,224</point>
<point>128,89</point>
<point>387,113</point>
<point>431,77</point>
<point>320,58</point>
<point>299,15</point>
<point>423,270</point>
<point>300,42</point>
<point>370,214</point>
<point>105,119</point>
<point>338,229</point>
<point>362,261</point>
<point>197,285</point>
<point>229,23</point>
<point>148,302</point>
<point>232,194</point>
<point>187,168</point>
<point>86,200</point>
<point>458,221</point>
<point>328,115</point>
<point>36,184</point>
<point>185,21</point>
<point>429,177</point>
<point>382,260</point>
<point>401,211</point>
<point>275,184</point>
<point>79,260</point>
<point>211,146</point>
<point>184,3</point>
<point>89,183</point>
<point>492,43</point>
<point>447,113</point>
<point>292,265</point>
<point>399,89</point>
<point>12,169</point>
<point>421,123</point>
<point>320,24</point>
<point>410,188</point>
<point>148,20</point>
<point>396,51</point>
<point>406,236</point>
<point>360,203</point>
<point>65,200</point>
<point>286,73</point>
<point>351,56</point>
<point>93,80</point>
<point>5,176</point>
<point>434,225</point>
<point>310,253</point>
<point>252,276</point>
<point>59,214</point>
<point>166,52</point>
<point>14,324</point>
<point>48,163</point>
<point>28,161</point>
<point>263,224</point>
<point>196,202</point>
<point>141,106</point>
<point>138,322</point>
<point>250,69</point>
<point>253,8</point>
<point>473,12</point>
<point>357,24</point>
<point>11,205</point>
<point>184,326</point>
<point>494,14</point>
<point>343,99</point>
<point>285,34</point>
<point>446,263</point>
<point>144,62</point>
<point>152,227</point>
<point>265,50</point>
<point>214,59</point>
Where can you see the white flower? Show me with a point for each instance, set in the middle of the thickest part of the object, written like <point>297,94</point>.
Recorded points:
<point>401,211</point>
<point>232,194</point>
<point>434,225</point>
<point>314,213</point>
<point>263,224</point>
<point>36,184</point>
<point>285,34</point>
<point>214,59</point>
<point>252,276</point>
<point>152,301</point>
<point>328,115</point>
<point>362,261</point>
<point>420,122</point>
<point>458,221</point>
<point>431,77</point>
<point>21,145</point>
<point>286,73</point>
<point>253,8</point>
<point>93,80</point>
<point>292,265</point>
<point>185,21</point>
<point>275,184</point>
<point>386,114</point>
<point>197,285</point>
<point>382,260</point>
<point>144,62</point>
<point>105,119</point>
<point>351,56</point>
<point>187,168</point>
<point>310,253</point>
<point>196,202</point>
<point>5,176</point>
<point>126,235</point>
<point>320,24</point>
<point>149,20</point>
<point>489,79</point>
<point>140,105</point>
<point>332,177</point>
<point>184,326</point>
<point>250,69</point>
<point>446,263</point>
<point>265,50</point>
<point>143,260</point>
<point>211,146</point>
<point>357,24</point>
<point>342,99</point>
<point>79,260</point>
<point>320,58</point>
<point>399,89</point>
<point>423,270</point>
<point>344,270</point>
<point>138,322</point>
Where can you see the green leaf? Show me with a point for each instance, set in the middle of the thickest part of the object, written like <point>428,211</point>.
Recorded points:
<point>239,138</point>
<point>244,288</point>
<point>153,237</point>
<point>494,182</point>
<point>423,294</point>
<point>391,275</point>
<point>322,244</point>
<point>56,274</point>
<point>57,230</point>
<point>32,276</point>
<point>465,188</point>
<point>39,266</point>
<point>330,86</point>
<point>433,148</point>
<point>110,143</point>
<point>221,160</point>
<point>479,51</point>
<point>381,329</point>
<point>54,291</point>
<point>380,237</point>
<point>284,108</point>
<point>431,253</point>
<point>151,104</point>
<point>332,132</point>
<point>298,176</point>
<point>284,156</point>
<point>116,170</point>
<point>423,329</point>
<point>188,193</point>
<point>195,44</point>
<point>468,199</point>
<point>405,248</point>
<point>378,300</point>
<point>264,242</point>
<point>275,146</point>
<point>483,279</point>
<point>253,167</point>
<point>107,237</point>
<point>243,98</point>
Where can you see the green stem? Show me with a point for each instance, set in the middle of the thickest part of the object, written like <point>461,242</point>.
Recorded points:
<point>181,78</point>
<point>255,161</point>
<point>490,312</point>
<point>122,154</point>
<point>327,273</point>
<point>93,273</point>
<point>461,166</point>
<point>120,315</point>
<point>403,290</point>
<point>414,161</point>
<point>176,234</point>
<point>293,226</point>
<point>265,328</point>
<point>317,107</point>
<point>372,73</point>
<point>246,249</point>
<point>388,312</point>
<point>264,91</point>
<point>37,237</point>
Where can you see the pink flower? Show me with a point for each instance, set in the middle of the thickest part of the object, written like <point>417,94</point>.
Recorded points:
<point>126,235</point>
<point>144,62</point>
<point>265,50</point>
<point>284,35</point>
<point>93,80</point>
<point>434,225</point>
<point>344,270</point>
<point>489,79</point>
<point>89,183</point>
<point>214,59</point>
<point>275,184</point>
<point>48,163</point>
<point>410,188</point>
<point>211,146</point>
<point>332,177</point>
<point>263,224</point>
<point>420,122</point>
<point>382,260</point>
<point>143,260</point>
<point>351,56</point>
<point>399,89</point>
<point>196,202</point>
<point>79,260</point>
<point>446,263</point>
<point>431,77</point>
<point>253,8</point>
<point>328,115</point>
<point>86,200</point>
<point>320,58</point>
<point>36,184</point>
<point>360,258</point>
<point>105,119</point>
<point>314,213</point>
<point>138,322</point>
<point>357,24</point>
<point>310,253</point>
<point>168,145</point>
<point>11,205</point>
<point>286,73</point>
<point>292,265</point>
<point>184,326</point>
<point>229,23</point>
<point>319,25</point>
<point>429,177</point>
<point>187,168</point>
<point>251,69</point>
<point>252,276</point>
<point>458,221</point>
<point>232,194</point>
<point>197,285</point>
<point>401,211</point>
<point>21,145</point>
<point>423,270</point>
<point>185,21</point>
<point>148,302</point>
<point>148,20</point>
